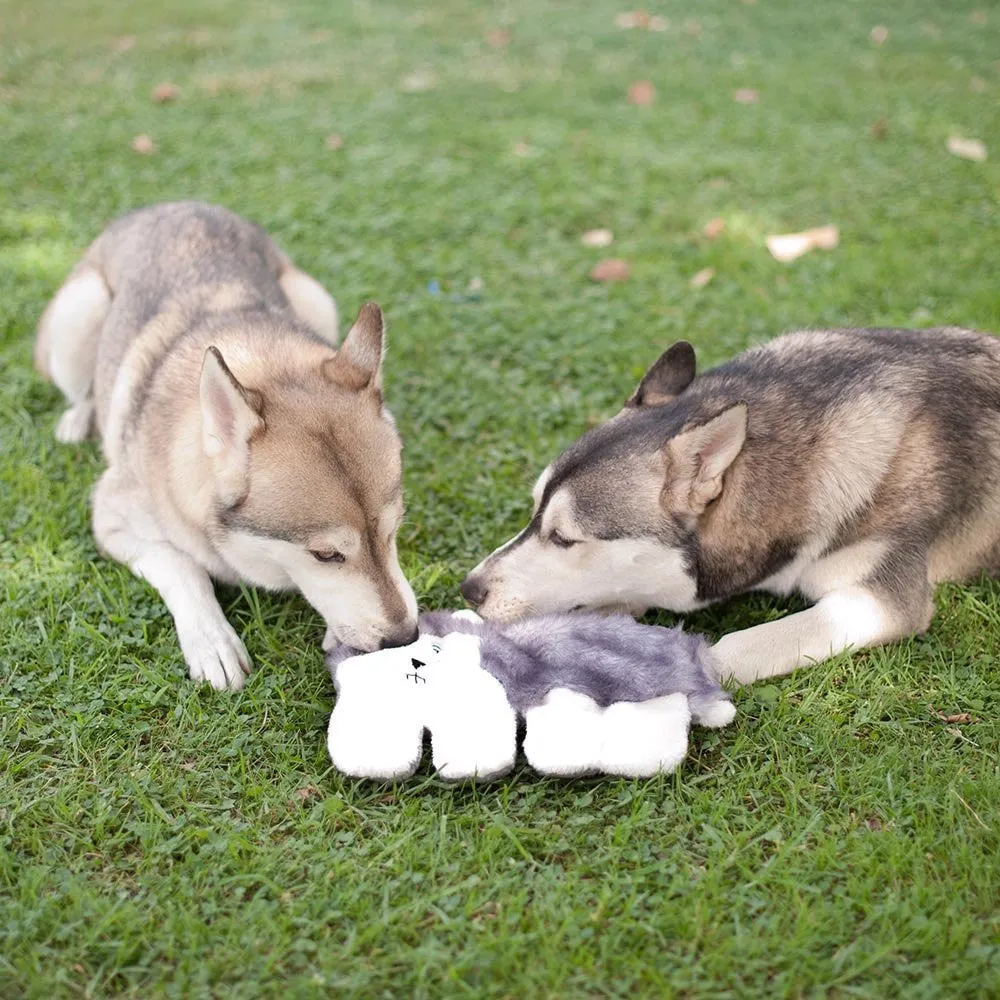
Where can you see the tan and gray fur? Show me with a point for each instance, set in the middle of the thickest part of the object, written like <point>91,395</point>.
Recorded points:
<point>241,443</point>
<point>855,467</point>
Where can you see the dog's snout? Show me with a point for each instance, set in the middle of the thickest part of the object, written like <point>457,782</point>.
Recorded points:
<point>474,590</point>
<point>400,637</point>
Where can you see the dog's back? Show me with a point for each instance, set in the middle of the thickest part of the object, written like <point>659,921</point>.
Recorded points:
<point>178,262</point>
<point>854,429</point>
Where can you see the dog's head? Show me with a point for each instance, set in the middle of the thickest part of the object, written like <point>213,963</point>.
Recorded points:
<point>616,516</point>
<point>308,484</point>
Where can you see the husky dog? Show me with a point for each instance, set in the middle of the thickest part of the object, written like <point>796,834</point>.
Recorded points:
<point>856,467</point>
<point>240,443</point>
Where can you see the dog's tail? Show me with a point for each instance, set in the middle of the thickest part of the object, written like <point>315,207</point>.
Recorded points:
<point>43,340</point>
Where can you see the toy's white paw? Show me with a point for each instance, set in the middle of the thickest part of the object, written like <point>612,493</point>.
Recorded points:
<point>713,714</point>
<point>646,737</point>
<point>467,615</point>
<point>562,734</point>
<point>377,725</point>
<point>367,739</point>
<point>483,745</point>
<point>74,425</point>
<point>215,653</point>
<point>455,762</point>
<point>473,727</point>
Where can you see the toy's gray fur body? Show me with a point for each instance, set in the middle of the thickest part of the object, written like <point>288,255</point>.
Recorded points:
<point>607,658</point>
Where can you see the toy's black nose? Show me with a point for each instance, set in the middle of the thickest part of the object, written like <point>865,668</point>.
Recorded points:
<point>416,664</point>
<point>474,591</point>
<point>403,637</point>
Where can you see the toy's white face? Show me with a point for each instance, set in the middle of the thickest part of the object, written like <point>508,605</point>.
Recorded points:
<point>415,663</point>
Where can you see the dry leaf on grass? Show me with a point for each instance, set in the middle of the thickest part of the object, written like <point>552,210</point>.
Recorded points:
<point>334,141</point>
<point>305,793</point>
<point>610,269</point>
<point>979,17</point>
<point>632,19</point>
<point>164,92</point>
<point>521,149</point>
<point>143,144</point>
<point>978,85</point>
<point>789,246</point>
<point>693,26</point>
<point>714,227</point>
<point>746,95</point>
<point>967,149</point>
<point>879,35</point>
<point>702,278</point>
<point>959,717</point>
<point>597,238</point>
<point>418,82</point>
<point>642,93</point>
<point>124,44</point>
<point>879,129</point>
<point>498,39</point>
<point>641,19</point>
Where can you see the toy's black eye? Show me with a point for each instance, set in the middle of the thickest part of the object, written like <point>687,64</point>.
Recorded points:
<point>560,541</point>
<point>327,555</point>
<point>435,647</point>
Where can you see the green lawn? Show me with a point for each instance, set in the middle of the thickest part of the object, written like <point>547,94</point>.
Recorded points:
<point>156,839</point>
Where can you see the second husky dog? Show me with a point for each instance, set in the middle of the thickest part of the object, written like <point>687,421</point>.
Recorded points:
<point>857,467</point>
<point>240,443</point>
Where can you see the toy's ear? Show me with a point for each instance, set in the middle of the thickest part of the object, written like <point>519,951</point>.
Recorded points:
<point>464,645</point>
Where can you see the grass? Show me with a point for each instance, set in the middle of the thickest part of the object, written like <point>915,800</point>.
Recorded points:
<point>157,839</point>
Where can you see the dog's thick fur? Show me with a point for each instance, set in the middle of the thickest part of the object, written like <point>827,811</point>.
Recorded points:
<point>856,467</point>
<point>240,443</point>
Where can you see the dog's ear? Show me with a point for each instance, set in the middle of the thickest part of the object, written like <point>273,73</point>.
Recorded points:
<point>671,374</point>
<point>699,456</point>
<point>230,413</point>
<point>230,416</point>
<point>358,363</point>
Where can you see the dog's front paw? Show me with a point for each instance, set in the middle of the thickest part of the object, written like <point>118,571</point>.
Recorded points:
<point>215,653</point>
<point>76,423</point>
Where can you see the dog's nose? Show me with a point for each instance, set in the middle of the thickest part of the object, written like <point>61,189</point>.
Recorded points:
<point>474,591</point>
<point>401,637</point>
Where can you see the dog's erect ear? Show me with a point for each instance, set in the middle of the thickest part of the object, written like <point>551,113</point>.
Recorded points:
<point>698,458</point>
<point>230,416</point>
<point>358,363</point>
<point>671,374</point>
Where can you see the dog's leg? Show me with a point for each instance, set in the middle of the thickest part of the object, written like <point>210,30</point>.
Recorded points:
<point>126,531</point>
<point>635,610</point>
<point>853,617</point>
<point>311,302</point>
<point>66,347</point>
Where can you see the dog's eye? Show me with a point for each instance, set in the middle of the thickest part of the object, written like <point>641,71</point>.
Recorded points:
<point>561,541</point>
<point>327,555</point>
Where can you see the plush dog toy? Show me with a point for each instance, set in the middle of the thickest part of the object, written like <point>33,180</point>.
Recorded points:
<point>598,694</point>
